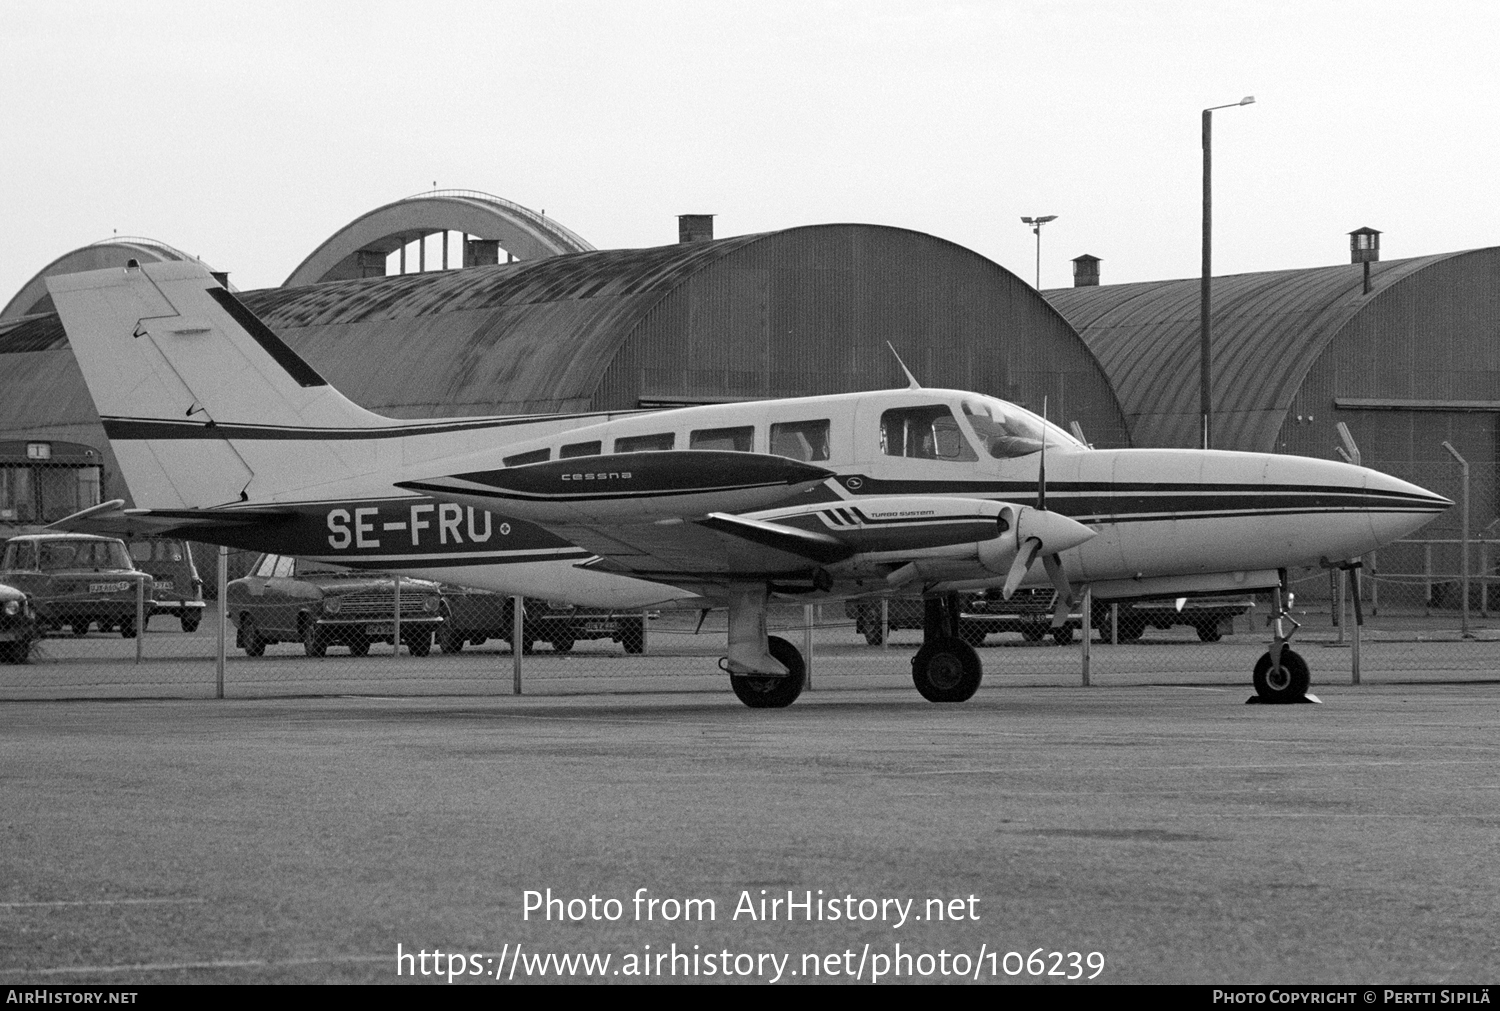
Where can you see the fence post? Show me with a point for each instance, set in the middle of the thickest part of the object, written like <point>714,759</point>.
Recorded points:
<point>517,637</point>
<point>807,647</point>
<point>1427,577</point>
<point>140,617</point>
<point>1374,587</point>
<point>223,584</point>
<point>885,623</point>
<point>396,635</point>
<point>1088,629</point>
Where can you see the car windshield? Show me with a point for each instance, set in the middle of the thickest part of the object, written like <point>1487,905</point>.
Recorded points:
<point>308,567</point>
<point>60,555</point>
<point>1006,430</point>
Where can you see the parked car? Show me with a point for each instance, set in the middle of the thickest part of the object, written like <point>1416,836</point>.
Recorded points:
<point>473,616</point>
<point>17,625</point>
<point>1208,616</point>
<point>901,612</point>
<point>286,599</point>
<point>176,590</point>
<point>76,580</point>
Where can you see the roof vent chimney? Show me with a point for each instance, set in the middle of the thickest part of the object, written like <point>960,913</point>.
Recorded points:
<point>695,227</point>
<point>1364,246</point>
<point>1085,271</point>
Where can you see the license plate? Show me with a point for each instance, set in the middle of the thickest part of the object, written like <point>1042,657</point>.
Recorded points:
<point>599,626</point>
<point>163,584</point>
<point>108,587</point>
<point>380,630</point>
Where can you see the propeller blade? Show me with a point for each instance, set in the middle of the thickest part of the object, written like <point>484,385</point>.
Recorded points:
<point>1053,564</point>
<point>1018,569</point>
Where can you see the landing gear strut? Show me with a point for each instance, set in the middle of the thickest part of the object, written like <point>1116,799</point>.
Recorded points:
<point>1281,675</point>
<point>945,669</point>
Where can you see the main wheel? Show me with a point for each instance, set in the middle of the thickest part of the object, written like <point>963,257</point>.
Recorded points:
<point>190,621</point>
<point>764,692</point>
<point>947,670</point>
<point>633,635</point>
<point>418,643</point>
<point>562,644</point>
<point>1285,683</point>
<point>314,642</point>
<point>450,639</point>
<point>250,639</point>
<point>127,628</point>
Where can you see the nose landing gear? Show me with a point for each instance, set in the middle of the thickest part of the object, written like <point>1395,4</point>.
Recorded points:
<point>1281,676</point>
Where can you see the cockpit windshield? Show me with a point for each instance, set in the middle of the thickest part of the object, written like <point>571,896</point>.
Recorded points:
<point>1007,431</point>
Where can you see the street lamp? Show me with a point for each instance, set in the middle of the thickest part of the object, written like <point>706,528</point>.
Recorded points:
<point>1205,383</point>
<point>1036,229</point>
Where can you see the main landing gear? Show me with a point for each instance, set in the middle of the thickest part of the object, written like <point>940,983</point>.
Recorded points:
<point>945,669</point>
<point>766,672</point>
<point>1281,675</point>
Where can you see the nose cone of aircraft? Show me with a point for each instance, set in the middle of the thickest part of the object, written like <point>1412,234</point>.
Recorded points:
<point>1397,507</point>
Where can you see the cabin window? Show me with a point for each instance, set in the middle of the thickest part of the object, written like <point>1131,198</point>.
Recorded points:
<point>20,556</point>
<point>924,433</point>
<point>580,449</point>
<point>732,440</point>
<point>522,459</point>
<point>800,440</point>
<point>645,443</point>
<point>1004,435</point>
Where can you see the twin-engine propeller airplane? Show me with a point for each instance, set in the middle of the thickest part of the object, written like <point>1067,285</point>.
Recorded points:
<point>225,435</point>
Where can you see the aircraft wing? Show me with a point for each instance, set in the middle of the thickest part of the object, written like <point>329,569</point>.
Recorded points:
<point>112,519</point>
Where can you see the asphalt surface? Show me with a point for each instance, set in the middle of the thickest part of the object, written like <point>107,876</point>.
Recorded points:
<point>1177,832</point>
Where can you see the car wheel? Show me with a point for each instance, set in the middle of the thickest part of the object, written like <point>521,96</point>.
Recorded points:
<point>190,622</point>
<point>314,642</point>
<point>418,643</point>
<point>1208,631</point>
<point>773,692</point>
<point>250,638</point>
<point>1033,632</point>
<point>80,628</point>
<point>359,646</point>
<point>633,635</point>
<point>127,628</point>
<point>450,640</point>
<point>562,644</point>
<point>1132,627</point>
<point>1285,683</point>
<point>946,670</point>
<point>15,652</point>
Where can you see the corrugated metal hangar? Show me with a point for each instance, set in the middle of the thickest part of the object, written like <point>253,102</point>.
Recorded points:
<point>797,312</point>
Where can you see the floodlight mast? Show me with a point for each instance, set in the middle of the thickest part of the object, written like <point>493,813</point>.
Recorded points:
<point>1036,229</point>
<point>1205,373</point>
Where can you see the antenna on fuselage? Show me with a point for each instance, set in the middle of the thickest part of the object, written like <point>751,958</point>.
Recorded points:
<point>914,384</point>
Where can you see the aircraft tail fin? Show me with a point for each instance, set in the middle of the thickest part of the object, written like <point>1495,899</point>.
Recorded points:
<point>197,395</point>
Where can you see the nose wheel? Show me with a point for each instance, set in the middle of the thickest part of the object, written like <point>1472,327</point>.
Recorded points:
<point>945,669</point>
<point>1281,675</point>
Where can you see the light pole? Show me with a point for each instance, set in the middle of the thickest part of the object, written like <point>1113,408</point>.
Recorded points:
<point>1036,229</point>
<point>1205,383</point>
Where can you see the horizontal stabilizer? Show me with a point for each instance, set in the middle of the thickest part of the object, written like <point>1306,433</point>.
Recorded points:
<point>114,520</point>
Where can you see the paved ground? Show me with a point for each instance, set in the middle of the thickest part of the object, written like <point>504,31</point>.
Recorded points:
<point>1183,835</point>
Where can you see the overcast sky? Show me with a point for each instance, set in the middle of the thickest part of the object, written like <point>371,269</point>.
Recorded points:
<point>247,133</point>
